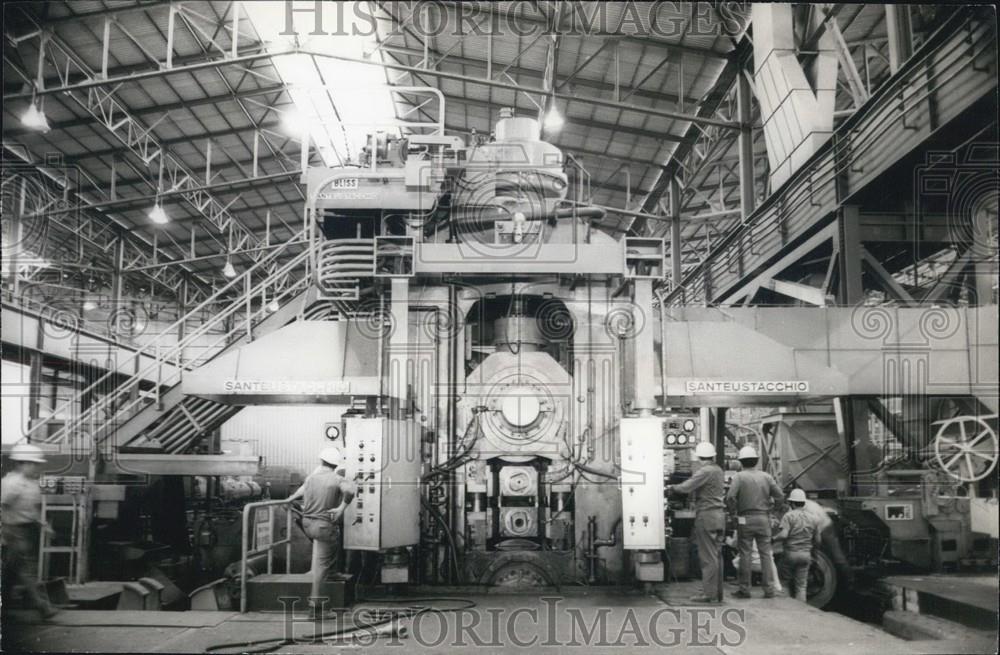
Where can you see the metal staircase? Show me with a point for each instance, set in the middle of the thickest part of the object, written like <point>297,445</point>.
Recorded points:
<point>134,415</point>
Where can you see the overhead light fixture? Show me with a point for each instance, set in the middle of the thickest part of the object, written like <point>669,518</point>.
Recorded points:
<point>229,270</point>
<point>158,215</point>
<point>34,118</point>
<point>89,305</point>
<point>273,306</point>
<point>295,122</point>
<point>553,120</point>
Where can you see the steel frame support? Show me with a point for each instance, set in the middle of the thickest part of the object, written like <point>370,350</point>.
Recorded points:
<point>94,82</point>
<point>744,95</point>
<point>859,91</point>
<point>888,282</point>
<point>98,234</point>
<point>850,291</point>
<point>139,139</point>
<point>803,292</point>
<point>899,28</point>
<point>675,232</point>
<point>709,105</point>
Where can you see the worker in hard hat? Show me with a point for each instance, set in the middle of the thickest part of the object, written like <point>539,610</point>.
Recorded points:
<point>800,533</point>
<point>325,495</point>
<point>708,486</point>
<point>752,493</point>
<point>828,536</point>
<point>22,526</point>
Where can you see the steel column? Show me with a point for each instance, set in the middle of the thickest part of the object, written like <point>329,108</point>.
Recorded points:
<point>675,232</point>
<point>900,31</point>
<point>643,372</point>
<point>744,96</point>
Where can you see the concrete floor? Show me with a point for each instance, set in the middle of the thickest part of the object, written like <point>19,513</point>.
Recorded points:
<point>557,622</point>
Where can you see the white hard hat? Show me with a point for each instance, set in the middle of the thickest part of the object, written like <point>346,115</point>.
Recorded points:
<point>26,452</point>
<point>332,456</point>
<point>797,496</point>
<point>704,450</point>
<point>747,452</point>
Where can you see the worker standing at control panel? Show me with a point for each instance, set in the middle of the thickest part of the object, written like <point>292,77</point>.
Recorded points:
<point>751,496</point>
<point>708,486</point>
<point>325,495</point>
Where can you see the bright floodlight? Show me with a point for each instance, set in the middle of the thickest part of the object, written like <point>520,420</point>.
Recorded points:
<point>553,120</point>
<point>34,118</point>
<point>229,270</point>
<point>158,215</point>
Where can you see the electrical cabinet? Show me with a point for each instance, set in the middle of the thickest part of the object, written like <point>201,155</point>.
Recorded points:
<point>383,460</point>
<point>641,443</point>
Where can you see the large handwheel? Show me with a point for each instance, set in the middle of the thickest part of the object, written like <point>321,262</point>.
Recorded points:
<point>965,447</point>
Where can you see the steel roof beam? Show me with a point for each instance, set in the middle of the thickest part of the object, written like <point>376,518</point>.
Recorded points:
<point>573,120</point>
<point>188,138</point>
<point>161,109</point>
<point>712,101</point>
<point>578,82</point>
<point>524,19</point>
<point>64,85</point>
<point>139,139</point>
<point>124,204</point>
<point>701,117</point>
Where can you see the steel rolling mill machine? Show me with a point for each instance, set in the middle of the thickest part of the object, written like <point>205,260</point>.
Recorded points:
<point>517,394</point>
<point>496,349</point>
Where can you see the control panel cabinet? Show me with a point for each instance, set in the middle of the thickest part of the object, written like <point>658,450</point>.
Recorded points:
<point>642,483</point>
<point>383,460</point>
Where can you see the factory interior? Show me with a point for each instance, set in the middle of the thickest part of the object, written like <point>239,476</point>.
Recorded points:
<point>513,326</point>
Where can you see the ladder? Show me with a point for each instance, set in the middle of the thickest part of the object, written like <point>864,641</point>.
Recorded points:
<point>75,504</point>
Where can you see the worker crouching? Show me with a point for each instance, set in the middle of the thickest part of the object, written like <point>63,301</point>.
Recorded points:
<point>800,533</point>
<point>325,494</point>
<point>708,485</point>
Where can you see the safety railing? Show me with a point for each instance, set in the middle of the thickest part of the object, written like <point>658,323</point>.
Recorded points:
<point>263,541</point>
<point>948,66</point>
<point>165,358</point>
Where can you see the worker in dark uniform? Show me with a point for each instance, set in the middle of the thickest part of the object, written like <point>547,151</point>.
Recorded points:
<point>708,485</point>
<point>325,495</point>
<point>21,499</point>
<point>751,496</point>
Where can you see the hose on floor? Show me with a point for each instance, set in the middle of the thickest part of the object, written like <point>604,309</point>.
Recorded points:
<point>368,623</point>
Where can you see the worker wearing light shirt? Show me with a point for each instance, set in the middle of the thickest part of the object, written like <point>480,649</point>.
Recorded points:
<point>828,537</point>
<point>21,513</point>
<point>751,496</point>
<point>800,532</point>
<point>325,495</point>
